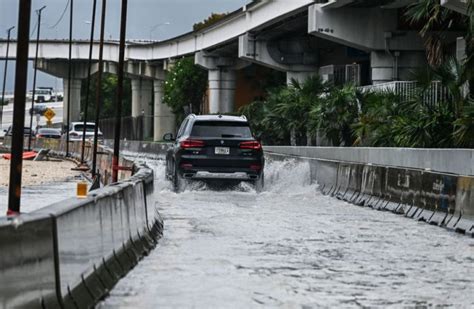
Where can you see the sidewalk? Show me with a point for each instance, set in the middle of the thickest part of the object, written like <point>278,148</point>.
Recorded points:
<point>39,172</point>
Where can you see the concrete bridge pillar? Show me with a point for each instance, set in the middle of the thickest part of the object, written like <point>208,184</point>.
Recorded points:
<point>142,90</point>
<point>222,80</point>
<point>297,56</point>
<point>298,76</point>
<point>75,112</point>
<point>164,119</point>
<point>396,65</point>
<point>222,90</point>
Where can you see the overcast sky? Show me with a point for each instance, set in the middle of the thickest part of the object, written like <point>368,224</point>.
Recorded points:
<point>147,19</point>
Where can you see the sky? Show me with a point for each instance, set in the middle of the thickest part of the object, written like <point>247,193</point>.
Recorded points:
<point>147,19</point>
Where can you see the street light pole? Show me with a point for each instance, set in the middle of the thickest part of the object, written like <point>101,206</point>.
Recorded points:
<point>118,117</point>
<point>89,73</point>
<point>69,76</point>
<point>34,75</point>
<point>5,77</point>
<point>21,78</point>
<point>98,93</point>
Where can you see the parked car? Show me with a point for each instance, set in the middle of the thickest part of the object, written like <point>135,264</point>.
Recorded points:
<point>76,130</point>
<point>214,147</point>
<point>39,109</point>
<point>48,133</point>
<point>26,131</point>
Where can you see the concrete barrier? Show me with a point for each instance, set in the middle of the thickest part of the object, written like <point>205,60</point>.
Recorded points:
<point>158,149</point>
<point>455,161</point>
<point>437,198</point>
<point>72,253</point>
<point>27,262</point>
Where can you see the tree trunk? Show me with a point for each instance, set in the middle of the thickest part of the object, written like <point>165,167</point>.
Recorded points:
<point>293,137</point>
<point>309,138</point>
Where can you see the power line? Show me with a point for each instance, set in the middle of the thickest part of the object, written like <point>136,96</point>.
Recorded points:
<point>62,15</point>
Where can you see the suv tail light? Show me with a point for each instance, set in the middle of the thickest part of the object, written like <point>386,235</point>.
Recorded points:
<point>191,143</point>
<point>255,167</point>
<point>250,145</point>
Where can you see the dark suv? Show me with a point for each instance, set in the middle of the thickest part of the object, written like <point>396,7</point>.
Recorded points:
<point>214,147</point>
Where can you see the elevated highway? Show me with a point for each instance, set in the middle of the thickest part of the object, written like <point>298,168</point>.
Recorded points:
<point>342,40</point>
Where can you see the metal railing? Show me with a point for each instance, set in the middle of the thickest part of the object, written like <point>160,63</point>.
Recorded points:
<point>407,90</point>
<point>132,128</point>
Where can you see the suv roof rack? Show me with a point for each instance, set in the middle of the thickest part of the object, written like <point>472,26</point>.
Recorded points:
<point>244,117</point>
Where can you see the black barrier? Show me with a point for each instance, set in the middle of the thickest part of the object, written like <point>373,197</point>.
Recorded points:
<point>325,173</point>
<point>372,185</point>
<point>438,197</point>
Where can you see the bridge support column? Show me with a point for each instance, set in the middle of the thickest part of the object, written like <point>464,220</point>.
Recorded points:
<point>141,103</point>
<point>164,119</point>
<point>222,80</point>
<point>298,76</point>
<point>396,65</point>
<point>297,56</point>
<point>75,113</point>
<point>222,90</point>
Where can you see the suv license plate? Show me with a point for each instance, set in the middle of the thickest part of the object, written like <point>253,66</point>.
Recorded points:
<point>222,150</point>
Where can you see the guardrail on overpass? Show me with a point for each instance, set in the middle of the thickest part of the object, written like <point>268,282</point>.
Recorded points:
<point>392,182</point>
<point>72,253</point>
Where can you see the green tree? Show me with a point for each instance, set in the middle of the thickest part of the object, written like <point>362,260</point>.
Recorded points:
<point>109,97</point>
<point>374,124</point>
<point>434,20</point>
<point>212,19</point>
<point>185,87</point>
<point>336,114</point>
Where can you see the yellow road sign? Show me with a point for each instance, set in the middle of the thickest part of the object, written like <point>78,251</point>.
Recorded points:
<point>49,114</point>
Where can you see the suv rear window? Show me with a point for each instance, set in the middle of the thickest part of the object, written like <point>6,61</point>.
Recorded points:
<point>80,127</point>
<point>221,129</point>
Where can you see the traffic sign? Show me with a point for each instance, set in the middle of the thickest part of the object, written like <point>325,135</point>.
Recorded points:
<point>49,114</point>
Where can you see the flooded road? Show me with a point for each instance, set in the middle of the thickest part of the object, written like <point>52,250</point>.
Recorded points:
<point>292,247</point>
<point>37,197</point>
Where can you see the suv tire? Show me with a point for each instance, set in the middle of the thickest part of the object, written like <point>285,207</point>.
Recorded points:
<point>179,183</point>
<point>259,183</point>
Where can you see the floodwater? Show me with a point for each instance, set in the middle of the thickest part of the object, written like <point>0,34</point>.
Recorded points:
<point>37,197</point>
<point>292,247</point>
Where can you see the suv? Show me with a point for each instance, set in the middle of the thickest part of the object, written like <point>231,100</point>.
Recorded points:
<point>26,131</point>
<point>77,128</point>
<point>214,147</point>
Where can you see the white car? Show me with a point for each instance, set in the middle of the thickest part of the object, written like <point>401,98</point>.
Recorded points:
<point>76,130</point>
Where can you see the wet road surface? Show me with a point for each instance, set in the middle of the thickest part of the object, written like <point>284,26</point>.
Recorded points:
<point>292,247</point>
<point>37,197</point>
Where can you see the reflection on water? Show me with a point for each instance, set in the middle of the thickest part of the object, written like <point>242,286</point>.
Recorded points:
<point>36,197</point>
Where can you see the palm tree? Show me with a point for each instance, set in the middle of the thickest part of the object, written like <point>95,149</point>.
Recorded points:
<point>336,114</point>
<point>435,20</point>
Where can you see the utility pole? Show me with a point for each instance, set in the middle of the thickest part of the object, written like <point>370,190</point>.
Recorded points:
<point>91,45</point>
<point>98,97</point>
<point>5,77</point>
<point>118,117</point>
<point>21,77</point>
<point>69,76</point>
<point>34,75</point>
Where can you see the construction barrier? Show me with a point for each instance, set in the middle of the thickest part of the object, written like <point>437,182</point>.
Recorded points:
<point>441,199</point>
<point>70,254</point>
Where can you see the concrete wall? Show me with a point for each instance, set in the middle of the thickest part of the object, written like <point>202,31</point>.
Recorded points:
<point>72,253</point>
<point>456,161</point>
<point>157,149</point>
<point>442,199</point>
